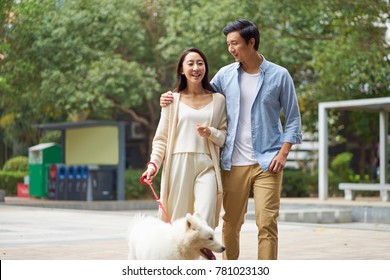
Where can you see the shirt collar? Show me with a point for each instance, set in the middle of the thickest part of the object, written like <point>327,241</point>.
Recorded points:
<point>263,65</point>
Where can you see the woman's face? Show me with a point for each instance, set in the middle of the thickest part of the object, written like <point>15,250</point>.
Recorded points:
<point>194,68</point>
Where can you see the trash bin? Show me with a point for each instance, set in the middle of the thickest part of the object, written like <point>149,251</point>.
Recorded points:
<point>71,193</point>
<point>84,182</point>
<point>40,157</point>
<point>52,182</point>
<point>61,183</point>
<point>81,183</point>
<point>103,182</point>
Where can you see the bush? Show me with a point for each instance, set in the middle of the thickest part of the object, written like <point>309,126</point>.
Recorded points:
<point>19,163</point>
<point>9,181</point>
<point>340,166</point>
<point>135,190</point>
<point>340,172</point>
<point>297,183</point>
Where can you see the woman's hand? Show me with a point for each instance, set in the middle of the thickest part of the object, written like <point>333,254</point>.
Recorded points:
<point>149,173</point>
<point>203,131</point>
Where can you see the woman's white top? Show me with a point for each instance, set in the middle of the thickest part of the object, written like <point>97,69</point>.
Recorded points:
<point>187,139</point>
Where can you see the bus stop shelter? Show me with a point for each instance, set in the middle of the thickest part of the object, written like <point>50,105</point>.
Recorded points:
<point>94,142</point>
<point>380,105</point>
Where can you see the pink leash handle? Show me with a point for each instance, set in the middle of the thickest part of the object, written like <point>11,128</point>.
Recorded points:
<point>145,182</point>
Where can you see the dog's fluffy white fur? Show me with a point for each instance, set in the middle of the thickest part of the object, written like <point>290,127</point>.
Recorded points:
<point>153,239</point>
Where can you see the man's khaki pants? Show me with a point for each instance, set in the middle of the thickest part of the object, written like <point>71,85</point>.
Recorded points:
<point>266,186</point>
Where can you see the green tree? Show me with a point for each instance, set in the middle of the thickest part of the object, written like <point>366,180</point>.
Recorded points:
<point>107,58</point>
<point>5,18</point>
<point>199,23</point>
<point>72,58</point>
<point>335,50</point>
<point>354,65</point>
<point>18,74</point>
<point>92,56</point>
<point>5,21</point>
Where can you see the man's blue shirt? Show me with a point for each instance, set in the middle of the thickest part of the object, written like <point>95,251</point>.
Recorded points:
<point>275,93</point>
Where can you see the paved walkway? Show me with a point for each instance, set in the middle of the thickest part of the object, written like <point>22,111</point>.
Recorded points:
<point>37,233</point>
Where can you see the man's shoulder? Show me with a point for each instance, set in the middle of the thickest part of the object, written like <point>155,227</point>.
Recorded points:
<point>230,67</point>
<point>271,66</point>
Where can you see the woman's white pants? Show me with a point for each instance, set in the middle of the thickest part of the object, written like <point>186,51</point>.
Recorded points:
<point>192,187</point>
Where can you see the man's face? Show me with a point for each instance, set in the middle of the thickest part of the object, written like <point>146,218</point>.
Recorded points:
<point>237,46</point>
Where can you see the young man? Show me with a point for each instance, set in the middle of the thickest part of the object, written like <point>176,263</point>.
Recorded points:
<point>256,146</point>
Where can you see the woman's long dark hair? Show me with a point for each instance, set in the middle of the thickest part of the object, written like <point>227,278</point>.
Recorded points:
<point>181,80</point>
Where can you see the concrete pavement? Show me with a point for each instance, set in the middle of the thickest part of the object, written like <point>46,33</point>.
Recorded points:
<point>40,233</point>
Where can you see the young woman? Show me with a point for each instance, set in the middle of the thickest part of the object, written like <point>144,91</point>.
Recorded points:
<point>189,135</point>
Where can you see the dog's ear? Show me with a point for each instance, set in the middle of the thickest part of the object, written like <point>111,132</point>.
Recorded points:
<point>191,224</point>
<point>188,221</point>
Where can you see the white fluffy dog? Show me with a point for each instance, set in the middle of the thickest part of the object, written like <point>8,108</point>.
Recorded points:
<point>186,239</point>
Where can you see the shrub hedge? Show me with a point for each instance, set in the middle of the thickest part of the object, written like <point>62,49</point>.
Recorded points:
<point>297,183</point>
<point>18,163</point>
<point>9,181</point>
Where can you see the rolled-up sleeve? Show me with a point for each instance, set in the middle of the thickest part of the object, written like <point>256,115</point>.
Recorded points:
<point>292,122</point>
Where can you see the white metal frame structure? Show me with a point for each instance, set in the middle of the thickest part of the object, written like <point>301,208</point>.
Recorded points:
<point>381,105</point>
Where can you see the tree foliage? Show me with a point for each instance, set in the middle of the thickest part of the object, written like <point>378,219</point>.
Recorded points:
<point>71,58</point>
<point>108,58</point>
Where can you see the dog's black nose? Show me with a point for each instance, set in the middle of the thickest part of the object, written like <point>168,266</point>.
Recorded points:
<point>223,248</point>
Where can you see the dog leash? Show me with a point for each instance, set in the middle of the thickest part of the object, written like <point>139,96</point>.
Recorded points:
<point>146,182</point>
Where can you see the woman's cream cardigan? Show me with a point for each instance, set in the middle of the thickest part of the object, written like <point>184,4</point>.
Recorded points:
<point>163,141</point>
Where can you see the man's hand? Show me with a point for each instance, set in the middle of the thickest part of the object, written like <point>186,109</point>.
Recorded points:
<point>279,161</point>
<point>166,99</point>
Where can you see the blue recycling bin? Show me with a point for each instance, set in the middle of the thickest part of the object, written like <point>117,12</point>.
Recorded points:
<point>60,193</point>
<point>81,182</point>
<point>71,193</point>
<point>85,172</point>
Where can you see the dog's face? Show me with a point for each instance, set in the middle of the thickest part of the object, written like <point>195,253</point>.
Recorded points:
<point>202,235</point>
